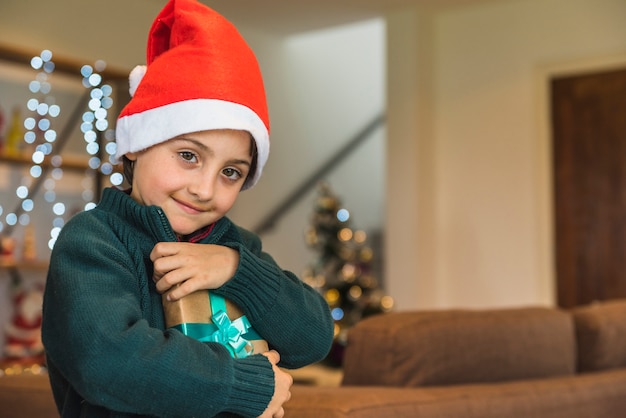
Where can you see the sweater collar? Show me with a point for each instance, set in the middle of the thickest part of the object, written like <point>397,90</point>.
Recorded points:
<point>197,236</point>
<point>150,218</point>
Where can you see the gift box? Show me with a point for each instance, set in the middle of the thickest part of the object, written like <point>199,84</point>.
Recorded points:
<point>205,316</point>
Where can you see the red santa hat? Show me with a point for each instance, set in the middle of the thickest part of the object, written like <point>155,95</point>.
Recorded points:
<point>200,75</point>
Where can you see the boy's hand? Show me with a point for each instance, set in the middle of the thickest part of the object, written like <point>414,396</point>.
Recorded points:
<point>282,384</point>
<point>192,267</point>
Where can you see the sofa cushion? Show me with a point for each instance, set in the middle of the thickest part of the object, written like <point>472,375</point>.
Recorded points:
<point>460,346</point>
<point>601,335</point>
<point>581,396</point>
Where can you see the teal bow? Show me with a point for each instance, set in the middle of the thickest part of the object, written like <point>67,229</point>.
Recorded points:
<point>230,333</point>
<point>234,335</point>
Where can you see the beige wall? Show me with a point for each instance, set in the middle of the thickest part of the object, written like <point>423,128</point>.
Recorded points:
<point>87,30</point>
<point>468,176</point>
<point>469,147</point>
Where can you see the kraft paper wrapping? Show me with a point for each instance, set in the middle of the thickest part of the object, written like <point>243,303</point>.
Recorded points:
<point>195,308</point>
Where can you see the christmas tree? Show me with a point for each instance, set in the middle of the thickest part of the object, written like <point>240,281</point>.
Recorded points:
<point>343,269</point>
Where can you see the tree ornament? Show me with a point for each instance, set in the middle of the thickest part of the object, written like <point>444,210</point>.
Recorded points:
<point>342,271</point>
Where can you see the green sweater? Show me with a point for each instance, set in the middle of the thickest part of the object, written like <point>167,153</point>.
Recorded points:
<point>107,348</point>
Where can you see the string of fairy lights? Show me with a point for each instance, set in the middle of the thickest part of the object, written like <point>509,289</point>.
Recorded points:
<point>94,124</point>
<point>40,137</point>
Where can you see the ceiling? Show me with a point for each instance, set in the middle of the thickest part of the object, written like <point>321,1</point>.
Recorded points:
<point>286,17</point>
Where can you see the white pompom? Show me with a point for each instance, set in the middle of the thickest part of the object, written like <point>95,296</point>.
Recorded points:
<point>135,77</point>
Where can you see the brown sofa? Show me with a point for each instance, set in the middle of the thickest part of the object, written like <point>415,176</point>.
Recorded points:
<point>516,362</point>
<point>525,362</point>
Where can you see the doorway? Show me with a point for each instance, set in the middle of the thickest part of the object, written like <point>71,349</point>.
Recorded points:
<point>589,150</point>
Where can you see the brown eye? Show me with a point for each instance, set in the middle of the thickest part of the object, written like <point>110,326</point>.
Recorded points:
<point>187,156</point>
<point>232,173</point>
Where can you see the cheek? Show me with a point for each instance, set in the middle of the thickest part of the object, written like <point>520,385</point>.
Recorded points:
<point>228,200</point>
<point>154,178</point>
<point>166,181</point>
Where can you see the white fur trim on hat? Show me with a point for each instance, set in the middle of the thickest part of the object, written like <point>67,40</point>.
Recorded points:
<point>135,77</point>
<point>141,130</point>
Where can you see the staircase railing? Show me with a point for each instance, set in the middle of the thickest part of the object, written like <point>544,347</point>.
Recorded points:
<point>294,197</point>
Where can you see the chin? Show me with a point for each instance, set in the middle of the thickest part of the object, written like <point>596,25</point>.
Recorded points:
<point>188,229</point>
<point>186,226</point>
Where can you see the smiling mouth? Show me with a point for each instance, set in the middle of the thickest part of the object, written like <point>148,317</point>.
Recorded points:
<point>189,208</point>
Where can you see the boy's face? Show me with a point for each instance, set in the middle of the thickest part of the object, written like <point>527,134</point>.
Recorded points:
<point>195,178</point>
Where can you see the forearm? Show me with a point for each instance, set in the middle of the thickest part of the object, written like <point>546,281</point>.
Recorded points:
<point>290,315</point>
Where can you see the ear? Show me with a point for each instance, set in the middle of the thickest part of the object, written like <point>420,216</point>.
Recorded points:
<point>132,156</point>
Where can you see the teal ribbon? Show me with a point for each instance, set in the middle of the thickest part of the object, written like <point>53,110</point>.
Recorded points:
<point>234,335</point>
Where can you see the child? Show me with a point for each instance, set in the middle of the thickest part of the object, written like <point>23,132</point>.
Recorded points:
<point>194,134</point>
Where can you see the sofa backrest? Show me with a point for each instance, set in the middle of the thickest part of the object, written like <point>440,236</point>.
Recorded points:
<point>460,346</point>
<point>601,335</point>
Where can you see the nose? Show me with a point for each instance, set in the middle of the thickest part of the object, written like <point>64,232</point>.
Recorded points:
<point>202,186</point>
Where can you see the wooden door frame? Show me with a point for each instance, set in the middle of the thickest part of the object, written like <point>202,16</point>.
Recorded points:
<point>547,282</point>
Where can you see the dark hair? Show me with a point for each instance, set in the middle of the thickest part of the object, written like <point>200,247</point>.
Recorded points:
<point>129,165</point>
<point>129,168</point>
<point>255,158</point>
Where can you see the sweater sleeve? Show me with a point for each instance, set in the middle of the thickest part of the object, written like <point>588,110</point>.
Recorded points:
<point>97,336</point>
<point>293,317</point>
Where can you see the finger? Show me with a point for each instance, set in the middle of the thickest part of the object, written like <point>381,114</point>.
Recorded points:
<point>182,290</point>
<point>287,396</point>
<point>275,356</point>
<point>170,280</point>
<point>163,249</point>
<point>164,277</point>
<point>166,264</point>
<point>272,356</point>
<point>166,280</point>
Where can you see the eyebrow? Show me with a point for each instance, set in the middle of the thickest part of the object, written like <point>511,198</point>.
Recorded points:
<point>210,151</point>
<point>195,142</point>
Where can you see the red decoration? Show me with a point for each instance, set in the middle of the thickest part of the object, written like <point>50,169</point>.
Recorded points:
<point>23,333</point>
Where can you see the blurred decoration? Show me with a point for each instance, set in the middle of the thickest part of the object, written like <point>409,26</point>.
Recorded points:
<point>97,132</point>
<point>29,137</point>
<point>2,128</point>
<point>7,250</point>
<point>23,344</point>
<point>33,136</point>
<point>14,134</point>
<point>343,270</point>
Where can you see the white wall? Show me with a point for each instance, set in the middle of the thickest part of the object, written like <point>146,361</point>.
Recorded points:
<point>323,88</point>
<point>115,31</point>
<point>492,241</point>
<point>411,246</point>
